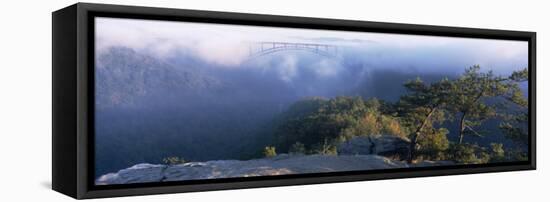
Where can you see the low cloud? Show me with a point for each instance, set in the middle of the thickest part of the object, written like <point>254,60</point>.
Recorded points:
<point>229,46</point>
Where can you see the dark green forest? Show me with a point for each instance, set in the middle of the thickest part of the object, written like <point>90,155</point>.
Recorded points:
<point>424,115</point>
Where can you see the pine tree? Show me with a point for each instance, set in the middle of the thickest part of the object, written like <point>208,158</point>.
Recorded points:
<point>421,107</point>
<point>471,93</point>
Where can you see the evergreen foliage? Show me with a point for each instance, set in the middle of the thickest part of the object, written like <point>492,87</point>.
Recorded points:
<point>173,160</point>
<point>320,124</point>
<point>317,125</point>
<point>270,152</point>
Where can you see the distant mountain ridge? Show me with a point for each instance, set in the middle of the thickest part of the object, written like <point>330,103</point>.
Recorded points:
<point>123,75</point>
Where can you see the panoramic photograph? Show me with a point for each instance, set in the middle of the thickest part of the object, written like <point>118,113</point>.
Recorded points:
<point>182,101</point>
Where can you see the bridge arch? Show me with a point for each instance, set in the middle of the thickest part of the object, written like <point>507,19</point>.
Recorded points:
<point>264,48</point>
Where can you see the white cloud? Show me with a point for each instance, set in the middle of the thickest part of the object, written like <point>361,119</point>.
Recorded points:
<point>288,68</point>
<point>228,45</point>
<point>327,68</point>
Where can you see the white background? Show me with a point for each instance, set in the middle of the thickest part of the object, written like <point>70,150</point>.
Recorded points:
<point>25,100</point>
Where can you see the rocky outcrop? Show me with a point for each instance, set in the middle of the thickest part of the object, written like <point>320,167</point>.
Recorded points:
<point>384,145</point>
<point>279,165</point>
<point>432,163</point>
<point>136,174</point>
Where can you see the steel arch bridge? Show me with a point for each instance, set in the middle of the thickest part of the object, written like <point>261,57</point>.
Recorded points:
<point>264,48</point>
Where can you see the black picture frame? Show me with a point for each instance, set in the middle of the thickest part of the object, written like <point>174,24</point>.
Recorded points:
<point>73,98</point>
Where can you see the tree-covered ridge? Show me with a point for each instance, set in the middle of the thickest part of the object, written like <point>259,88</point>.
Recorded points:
<point>317,125</point>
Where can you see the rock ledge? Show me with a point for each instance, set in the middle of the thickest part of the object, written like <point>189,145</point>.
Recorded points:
<point>279,165</point>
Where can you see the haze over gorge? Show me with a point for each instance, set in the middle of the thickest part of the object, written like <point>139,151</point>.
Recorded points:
<point>191,101</point>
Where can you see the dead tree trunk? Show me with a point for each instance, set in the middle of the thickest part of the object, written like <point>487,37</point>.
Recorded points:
<point>462,128</point>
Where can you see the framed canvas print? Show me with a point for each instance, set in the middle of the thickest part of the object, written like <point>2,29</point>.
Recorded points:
<point>154,100</point>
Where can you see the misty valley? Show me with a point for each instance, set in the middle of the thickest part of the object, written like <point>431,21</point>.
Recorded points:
<point>179,117</point>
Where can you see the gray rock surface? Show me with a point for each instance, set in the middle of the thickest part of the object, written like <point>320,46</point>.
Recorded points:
<point>138,173</point>
<point>385,145</point>
<point>432,163</point>
<point>279,165</point>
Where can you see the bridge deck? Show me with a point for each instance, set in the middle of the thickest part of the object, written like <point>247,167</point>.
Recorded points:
<point>264,48</point>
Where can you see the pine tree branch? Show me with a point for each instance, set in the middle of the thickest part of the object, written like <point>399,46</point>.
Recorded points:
<point>471,129</point>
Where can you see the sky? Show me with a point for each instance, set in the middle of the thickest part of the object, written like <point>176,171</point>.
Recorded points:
<point>228,46</point>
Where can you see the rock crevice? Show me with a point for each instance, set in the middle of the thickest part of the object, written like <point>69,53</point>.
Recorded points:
<point>383,145</point>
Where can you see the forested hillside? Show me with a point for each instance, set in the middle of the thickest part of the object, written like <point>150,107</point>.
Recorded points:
<point>159,110</point>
